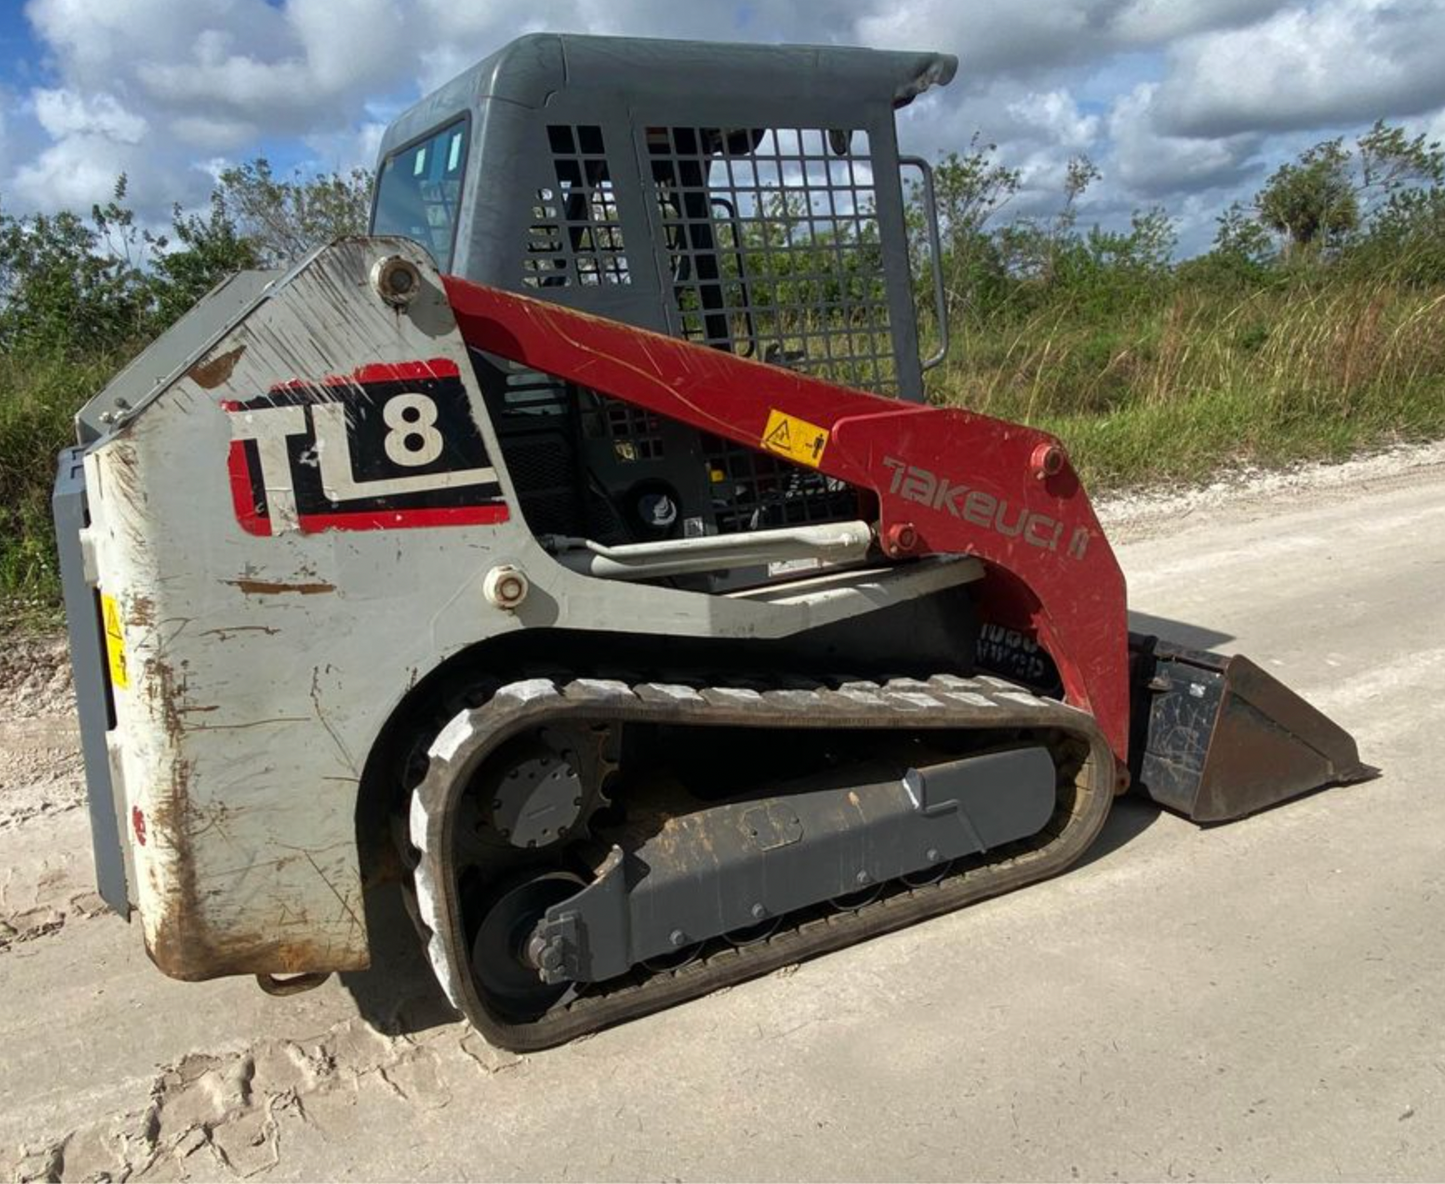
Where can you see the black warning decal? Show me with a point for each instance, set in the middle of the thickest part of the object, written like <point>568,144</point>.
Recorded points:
<point>390,446</point>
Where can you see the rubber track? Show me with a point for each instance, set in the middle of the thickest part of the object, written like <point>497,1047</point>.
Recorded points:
<point>946,701</point>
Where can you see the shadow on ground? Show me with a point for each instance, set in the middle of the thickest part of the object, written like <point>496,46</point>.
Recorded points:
<point>1129,817</point>
<point>1197,637</point>
<point>398,994</point>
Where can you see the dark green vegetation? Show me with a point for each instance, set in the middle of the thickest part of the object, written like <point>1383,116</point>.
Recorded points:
<point>1313,328</point>
<point>80,296</point>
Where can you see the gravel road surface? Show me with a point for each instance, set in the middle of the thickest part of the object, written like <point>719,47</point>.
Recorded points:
<point>1259,1000</point>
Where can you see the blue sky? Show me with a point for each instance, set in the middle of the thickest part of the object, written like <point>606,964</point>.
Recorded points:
<point>19,52</point>
<point>1186,104</point>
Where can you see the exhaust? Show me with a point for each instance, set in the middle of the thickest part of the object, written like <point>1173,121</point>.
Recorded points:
<point>1216,738</point>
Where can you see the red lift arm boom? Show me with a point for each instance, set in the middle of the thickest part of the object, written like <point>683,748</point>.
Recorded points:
<point>946,481</point>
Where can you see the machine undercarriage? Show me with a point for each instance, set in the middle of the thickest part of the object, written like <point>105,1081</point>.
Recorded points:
<point>681,836</point>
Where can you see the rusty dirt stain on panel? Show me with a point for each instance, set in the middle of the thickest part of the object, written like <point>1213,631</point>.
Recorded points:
<point>267,587</point>
<point>167,817</point>
<point>142,610</point>
<point>212,372</point>
<point>187,944</point>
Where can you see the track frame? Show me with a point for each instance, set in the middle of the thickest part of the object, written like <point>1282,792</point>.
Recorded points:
<point>1086,790</point>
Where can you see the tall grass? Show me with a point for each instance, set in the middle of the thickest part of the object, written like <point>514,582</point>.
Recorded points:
<point>39,396</point>
<point>1183,384</point>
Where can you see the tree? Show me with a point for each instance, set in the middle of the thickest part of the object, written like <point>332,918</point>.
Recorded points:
<point>1393,166</point>
<point>211,247</point>
<point>1334,199</point>
<point>1313,201</point>
<point>1144,251</point>
<point>969,190</point>
<point>1078,176</point>
<point>1242,238</point>
<point>1244,251</point>
<point>73,286</point>
<point>283,219</point>
<point>1035,248</point>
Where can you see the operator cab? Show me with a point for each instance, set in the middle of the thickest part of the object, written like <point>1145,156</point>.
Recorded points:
<point>745,197</point>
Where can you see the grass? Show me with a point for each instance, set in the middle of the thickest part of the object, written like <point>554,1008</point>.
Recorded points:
<point>1175,384</point>
<point>39,397</point>
<point>1189,384</point>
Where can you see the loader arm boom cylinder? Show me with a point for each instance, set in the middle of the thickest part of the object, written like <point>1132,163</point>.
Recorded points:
<point>947,481</point>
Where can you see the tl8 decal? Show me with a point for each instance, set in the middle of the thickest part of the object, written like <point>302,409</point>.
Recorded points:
<point>388,447</point>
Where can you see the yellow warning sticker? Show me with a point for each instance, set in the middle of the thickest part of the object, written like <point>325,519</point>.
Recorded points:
<point>795,438</point>
<point>114,642</point>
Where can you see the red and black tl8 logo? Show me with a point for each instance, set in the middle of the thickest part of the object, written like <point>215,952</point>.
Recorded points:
<point>388,447</point>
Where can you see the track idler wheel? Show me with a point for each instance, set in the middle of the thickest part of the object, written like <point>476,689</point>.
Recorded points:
<point>500,957</point>
<point>685,956</point>
<point>750,935</point>
<point>929,875</point>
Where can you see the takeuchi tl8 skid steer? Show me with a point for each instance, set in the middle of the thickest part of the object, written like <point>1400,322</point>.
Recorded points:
<point>580,553</point>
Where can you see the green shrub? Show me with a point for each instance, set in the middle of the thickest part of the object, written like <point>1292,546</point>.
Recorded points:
<point>1211,377</point>
<point>39,395</point>
<point>80,296</point>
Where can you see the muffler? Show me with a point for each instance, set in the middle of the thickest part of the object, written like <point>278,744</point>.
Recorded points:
<point>1214,737</point>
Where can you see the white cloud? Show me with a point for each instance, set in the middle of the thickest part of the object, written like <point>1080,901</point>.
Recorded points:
<point>352,149</point>
<point>460,34</point>
<point>1027,37</point>
<point>1057,116</point>
<point>1152,163</point>
<point>1156,22</point>
<point>64,113</point>
<point>1432,128</point>
<point>1338,62</point>
<point>215,132</point>
<point>153,87</point>
<point>74,174</point>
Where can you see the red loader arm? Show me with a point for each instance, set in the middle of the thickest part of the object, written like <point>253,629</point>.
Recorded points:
<point>946,481</point>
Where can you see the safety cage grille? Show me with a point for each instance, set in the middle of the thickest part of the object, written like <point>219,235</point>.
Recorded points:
<point>576,231</point>
<point>773,239</point>
<point>757,491</point>
<point>769,247</point>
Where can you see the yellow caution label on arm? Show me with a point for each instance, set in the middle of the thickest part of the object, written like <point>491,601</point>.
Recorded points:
<point>795,438</point>
<point>114,642</point>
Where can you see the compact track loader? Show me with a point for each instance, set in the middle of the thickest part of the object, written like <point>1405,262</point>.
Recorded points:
<point>579,552</point>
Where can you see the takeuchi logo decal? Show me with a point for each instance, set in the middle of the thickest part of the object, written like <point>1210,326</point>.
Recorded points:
<point>916,484</point>
<point>391,446</point>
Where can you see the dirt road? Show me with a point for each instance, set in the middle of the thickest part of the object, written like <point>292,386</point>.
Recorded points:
<point>1265,999</point>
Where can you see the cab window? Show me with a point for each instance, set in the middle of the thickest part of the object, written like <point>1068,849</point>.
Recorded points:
<point>420,189</point>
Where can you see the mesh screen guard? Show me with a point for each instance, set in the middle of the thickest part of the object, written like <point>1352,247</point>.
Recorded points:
<point>766,242</point>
